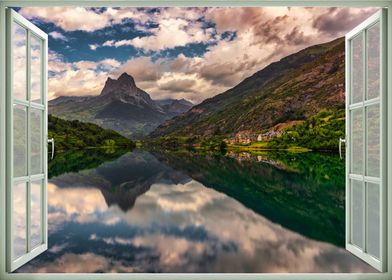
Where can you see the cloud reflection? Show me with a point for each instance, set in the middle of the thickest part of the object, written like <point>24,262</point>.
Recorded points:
<point>174,227</point>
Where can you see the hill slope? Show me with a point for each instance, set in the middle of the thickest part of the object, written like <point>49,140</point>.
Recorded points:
<point>294,88</point>
<point>76,135</point>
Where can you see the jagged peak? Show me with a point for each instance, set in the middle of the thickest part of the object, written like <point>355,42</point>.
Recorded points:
<point>125,76</point>
<point>124,82</point>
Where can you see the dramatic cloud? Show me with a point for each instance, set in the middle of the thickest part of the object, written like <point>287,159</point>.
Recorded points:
<point>171,33</point>
<point>192,53</point>
<point>78,78</point>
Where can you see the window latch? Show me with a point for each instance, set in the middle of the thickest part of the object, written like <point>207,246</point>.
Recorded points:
<point>51,141</point>
<point>341,140</point>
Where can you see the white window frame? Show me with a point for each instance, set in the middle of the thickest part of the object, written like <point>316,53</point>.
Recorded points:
<point>31,32</point>
<point>379,17</point>
<point>189,3</point>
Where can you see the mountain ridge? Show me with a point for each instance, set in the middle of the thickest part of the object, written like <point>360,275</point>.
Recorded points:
<point>120,106</point>
<point>294,88</point>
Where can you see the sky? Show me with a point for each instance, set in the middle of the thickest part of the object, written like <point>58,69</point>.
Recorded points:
<point>191,53</point>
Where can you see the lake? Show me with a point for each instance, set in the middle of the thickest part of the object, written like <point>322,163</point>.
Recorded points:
<point>165,211</point>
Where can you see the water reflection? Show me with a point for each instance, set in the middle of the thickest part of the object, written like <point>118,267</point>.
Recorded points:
<point>141,213</point>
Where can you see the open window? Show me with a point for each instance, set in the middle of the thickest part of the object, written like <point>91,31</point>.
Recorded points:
<point>26,141</point>
<point>366,141</point>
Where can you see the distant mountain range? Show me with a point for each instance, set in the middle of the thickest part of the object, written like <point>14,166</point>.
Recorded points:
<point>277,97</point>
<point>121,106</point>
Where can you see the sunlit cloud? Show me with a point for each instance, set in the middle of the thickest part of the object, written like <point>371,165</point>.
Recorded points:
<point>171,33</point>
<point>93,47</point>
<point>228,44</point>
<point>78,78</point>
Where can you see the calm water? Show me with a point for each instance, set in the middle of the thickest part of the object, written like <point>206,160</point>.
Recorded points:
<point>139,211</point>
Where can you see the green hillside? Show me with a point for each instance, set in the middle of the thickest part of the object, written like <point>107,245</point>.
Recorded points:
<point>320,132</point>
<point>295,88</point>
<point>77,135</point>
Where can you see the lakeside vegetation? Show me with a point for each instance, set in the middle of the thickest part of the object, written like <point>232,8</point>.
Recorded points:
<point>70,135</point>
<point>318,133</point>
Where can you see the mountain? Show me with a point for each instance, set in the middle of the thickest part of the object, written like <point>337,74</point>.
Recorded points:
<point>121,106</point>
<point>280,95</point>
<point>175,106</point>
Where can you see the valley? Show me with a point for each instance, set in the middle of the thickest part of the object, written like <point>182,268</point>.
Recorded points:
<point>296,103</point>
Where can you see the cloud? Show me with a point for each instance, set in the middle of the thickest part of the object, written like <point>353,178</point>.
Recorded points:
<point>93,47</point>
<point>77,78</point>
<point>170,33</point>
<point>83,19</point>
<point>143,69</point>
<point>58,36</point>
<point>109,43</point>
<point>178,85</point>
<point>337,21</point>
<point>261,36</point>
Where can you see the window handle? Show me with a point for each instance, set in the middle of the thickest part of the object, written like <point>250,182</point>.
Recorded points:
<point>340,146</point>
<point>51,141</point>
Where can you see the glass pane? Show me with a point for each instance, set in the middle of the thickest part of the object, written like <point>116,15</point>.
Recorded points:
<point>35,213</point>
<point>357,213</point>
<point>19,61</point>
<point>20,141</point>
<point>36,70</point>
<point>19,219</point>
<point>356,141</point>
<point>373,140</point>
<point>374,220</point>
<point>357,69</point>
<point>374,51</point>
<point>36,141</point>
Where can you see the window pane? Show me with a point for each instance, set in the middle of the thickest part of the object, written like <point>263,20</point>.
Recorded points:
<point>19,61</point>
<point>19,219</point>
<point>20,141</point>
<point>374,220</point>
<point>356,142</point>
<point>373,41</point>
<point>36,141</point>
<point>35,213</point>
<point>357,69</point>
<point>357,213</point>
<point>373,140</point>
<point>36,70</point>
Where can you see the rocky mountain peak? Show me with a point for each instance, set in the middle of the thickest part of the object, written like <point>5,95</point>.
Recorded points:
<point>126,78</point>
<point>125,84</point>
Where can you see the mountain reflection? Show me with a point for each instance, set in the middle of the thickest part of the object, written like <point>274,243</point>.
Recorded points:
<point>142,213</point>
